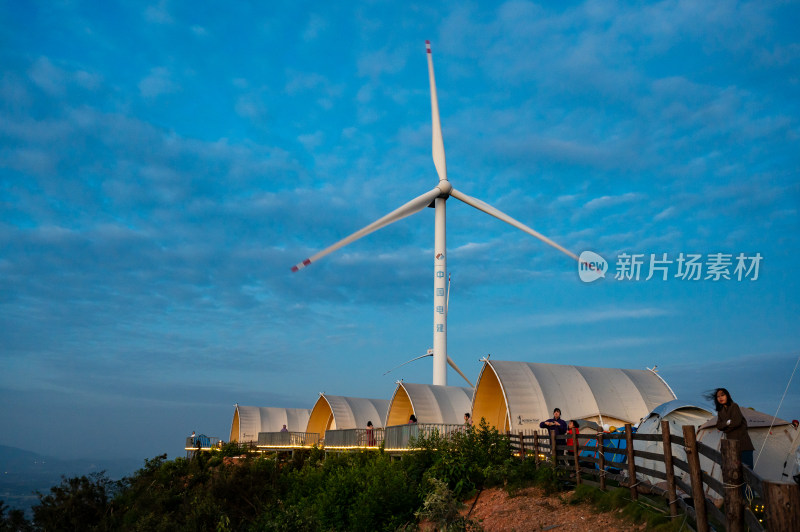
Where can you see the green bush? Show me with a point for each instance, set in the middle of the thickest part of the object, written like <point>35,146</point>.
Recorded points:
<point>78,503</point>
<point>474,459</point>
<point>441,508</point>
<point>309,491</point>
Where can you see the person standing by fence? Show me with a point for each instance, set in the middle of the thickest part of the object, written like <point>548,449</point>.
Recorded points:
<point>555,424</point>
<point>733,424</point>
<point>370,433</point>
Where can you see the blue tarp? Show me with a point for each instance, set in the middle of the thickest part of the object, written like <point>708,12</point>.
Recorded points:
<point>618,457</point>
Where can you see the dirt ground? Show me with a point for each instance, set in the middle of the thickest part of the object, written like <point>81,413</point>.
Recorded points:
<point>529,509</point>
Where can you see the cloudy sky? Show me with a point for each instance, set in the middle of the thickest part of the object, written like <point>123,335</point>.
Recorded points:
<point>163,166</point>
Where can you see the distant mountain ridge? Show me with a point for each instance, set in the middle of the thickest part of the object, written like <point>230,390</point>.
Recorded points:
<point>23,472</point>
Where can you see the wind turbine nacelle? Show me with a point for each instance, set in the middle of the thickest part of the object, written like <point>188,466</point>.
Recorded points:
<point>445,188</point>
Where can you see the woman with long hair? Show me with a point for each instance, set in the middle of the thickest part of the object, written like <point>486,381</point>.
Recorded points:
<point>733,424</point>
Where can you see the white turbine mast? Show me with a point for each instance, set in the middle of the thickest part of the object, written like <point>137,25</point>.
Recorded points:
<point>438,196</point>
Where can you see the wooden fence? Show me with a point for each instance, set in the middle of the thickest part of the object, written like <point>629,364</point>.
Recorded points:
<point>612,456</point>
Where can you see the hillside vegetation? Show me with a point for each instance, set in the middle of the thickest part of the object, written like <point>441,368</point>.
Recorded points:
<point>224,491</point>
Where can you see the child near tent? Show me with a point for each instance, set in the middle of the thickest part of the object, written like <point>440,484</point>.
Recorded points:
<point>572,429</point>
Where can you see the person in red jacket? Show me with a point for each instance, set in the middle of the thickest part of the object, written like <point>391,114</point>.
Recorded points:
<point>572,428</point>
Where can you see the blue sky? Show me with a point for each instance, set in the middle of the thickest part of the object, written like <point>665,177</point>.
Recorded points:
<point>162,166</point>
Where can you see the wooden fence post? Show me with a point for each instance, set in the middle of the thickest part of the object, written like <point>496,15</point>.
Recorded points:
<point>553,450</point>
<point>521,446</point>
<point>575,456</point>
<point>632,482</point>
<point>696,474</point>
<point>733,481</point>
<point>536,447</point>
<point>602,456</point>
<point>782,502</point>
<point>671,491</point>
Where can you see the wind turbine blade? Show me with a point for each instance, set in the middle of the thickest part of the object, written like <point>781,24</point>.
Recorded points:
<point>488,209</point>
<point>438,143</point>
<point>413,206</point>
<point>410,361</point>
<point>453,365</point>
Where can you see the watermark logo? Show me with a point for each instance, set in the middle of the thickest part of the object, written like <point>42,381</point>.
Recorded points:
<point>715,267</point>
<point>591,266</point>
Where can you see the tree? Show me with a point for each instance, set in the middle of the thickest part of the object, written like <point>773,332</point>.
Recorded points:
<point>15,522</point>
<point>78,503</point>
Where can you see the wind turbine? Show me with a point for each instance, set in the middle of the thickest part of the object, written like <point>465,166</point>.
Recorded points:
<point>438,196</point>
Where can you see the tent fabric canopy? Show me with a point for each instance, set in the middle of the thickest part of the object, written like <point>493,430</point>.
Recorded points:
<point>429,403</point>
<point>519,395</point>
<point>678,413</point>
<point>775,447</point>
<point>333,412</point>
<point>754,419</point>
<point>248,421</point>
<point>665,409</point>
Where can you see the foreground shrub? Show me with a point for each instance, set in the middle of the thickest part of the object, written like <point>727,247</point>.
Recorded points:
<point>78,503</point>
<point>476,458</point>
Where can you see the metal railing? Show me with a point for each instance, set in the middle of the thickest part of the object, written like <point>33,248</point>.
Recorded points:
<point>287,439</point>
<point>201,441</point>
<point>353,438</point>
<point>400,437</point>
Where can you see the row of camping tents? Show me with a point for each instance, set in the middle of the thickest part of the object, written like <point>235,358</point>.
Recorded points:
<point>509,395</point>
<point>515,396</point>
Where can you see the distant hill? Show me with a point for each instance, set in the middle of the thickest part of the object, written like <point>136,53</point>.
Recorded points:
<point>24,472</point>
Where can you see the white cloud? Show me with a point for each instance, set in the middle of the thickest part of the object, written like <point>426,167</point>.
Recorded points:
<point>88,80</point>
<point>158,14</point>
<point>48,77</point>
<point>312,141</point>
<point>612,201</point>
<point>374,64</point>
<point>556,319</point>
<point>303,81</point>
<point>602,344</point>
<point>251,106</point>
<point>40,162</point>
<point>158,82</point>
<point>315,26</point>
<point>667,213</point>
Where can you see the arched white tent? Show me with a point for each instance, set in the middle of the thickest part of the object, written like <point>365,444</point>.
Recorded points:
<point>516,396</point>
<point>678,413</point>
<point>248,421</point>
<point>775,448</point>
<point>332,412</point>
<point>429,403</point>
